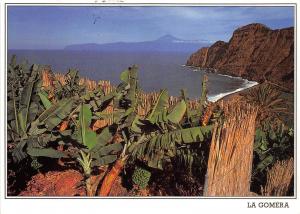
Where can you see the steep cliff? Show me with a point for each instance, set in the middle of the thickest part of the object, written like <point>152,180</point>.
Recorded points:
<point>254,52</point>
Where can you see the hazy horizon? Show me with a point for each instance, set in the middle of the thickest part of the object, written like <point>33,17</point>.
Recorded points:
<point>54,27</point>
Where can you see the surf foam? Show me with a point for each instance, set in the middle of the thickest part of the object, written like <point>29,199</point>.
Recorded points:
<point>246,84</point>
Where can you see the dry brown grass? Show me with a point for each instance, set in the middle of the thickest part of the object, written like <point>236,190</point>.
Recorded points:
<point>231,152</point>
<point>279,178</point>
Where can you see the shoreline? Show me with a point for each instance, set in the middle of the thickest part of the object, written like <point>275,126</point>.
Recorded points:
<point>247,84</point>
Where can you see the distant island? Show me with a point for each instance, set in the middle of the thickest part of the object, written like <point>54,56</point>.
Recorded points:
<point>166,43</point>
<point>254,52</point>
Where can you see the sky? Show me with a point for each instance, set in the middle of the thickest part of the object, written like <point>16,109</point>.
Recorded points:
<point>54,27</point>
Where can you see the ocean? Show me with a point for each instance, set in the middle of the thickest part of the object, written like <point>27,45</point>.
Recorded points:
<point>157,70</point>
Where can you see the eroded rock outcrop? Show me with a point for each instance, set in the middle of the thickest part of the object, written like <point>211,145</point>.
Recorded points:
<point>254,52</point>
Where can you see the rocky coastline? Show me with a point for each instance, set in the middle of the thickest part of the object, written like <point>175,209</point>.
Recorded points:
<point>254,52</point>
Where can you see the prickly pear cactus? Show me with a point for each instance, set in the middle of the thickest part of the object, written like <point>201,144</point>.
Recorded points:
<point>141,177</point>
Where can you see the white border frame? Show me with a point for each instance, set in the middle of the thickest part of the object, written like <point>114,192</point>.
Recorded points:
<point>7,203</point>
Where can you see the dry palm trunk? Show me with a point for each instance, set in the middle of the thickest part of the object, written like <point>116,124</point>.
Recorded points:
<point>279,178</point>
<point>111,177</point>
<point>231,152</point>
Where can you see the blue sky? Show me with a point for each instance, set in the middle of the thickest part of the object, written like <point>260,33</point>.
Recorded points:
<point>33,27</point>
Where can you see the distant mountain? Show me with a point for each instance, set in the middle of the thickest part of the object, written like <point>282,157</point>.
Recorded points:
<point>166,43</point>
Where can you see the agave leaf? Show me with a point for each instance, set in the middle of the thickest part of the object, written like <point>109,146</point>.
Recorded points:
<point>176,115</point>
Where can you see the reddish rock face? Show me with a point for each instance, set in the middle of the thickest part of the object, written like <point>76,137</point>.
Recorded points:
<point>254,52</point>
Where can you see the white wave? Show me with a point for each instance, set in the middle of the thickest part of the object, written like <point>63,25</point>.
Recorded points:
<point>246,84</point>
<point>224,75</point>
<point>214,98</point>
<point>188,66</point>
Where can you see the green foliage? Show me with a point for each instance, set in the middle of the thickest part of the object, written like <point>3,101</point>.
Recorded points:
<point>52,116</point>
<point>203,98</point>
<point>22,99</point>
<point>176,115</point>
<point>24,105</point>
<point>155,147</point>
<point>160,141</point>
<point>141,177</point>
<point>85,162</point>
<point>158,137</point>
<point>45,152</point>
<point>103,152</point>
<point>71,88</point>
<point>130,77</point>
<point>99,148</point>
<point>193,116</point>
<point>44,98</point>
<point>270,146</point>
<point>88,137</point>
<point>159,112</point>
<point>192,157</point>
<point>154,140</point>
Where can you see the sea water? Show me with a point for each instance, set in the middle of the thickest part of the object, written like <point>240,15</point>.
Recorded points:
<point>157,70</point>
